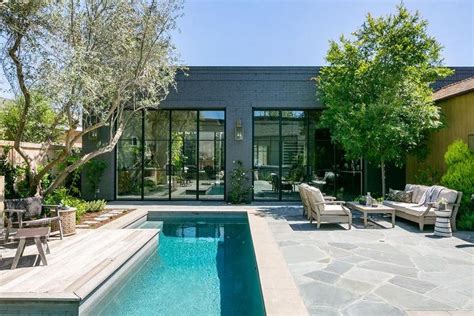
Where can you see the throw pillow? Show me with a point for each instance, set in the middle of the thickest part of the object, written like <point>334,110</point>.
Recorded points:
<point>400,196</point>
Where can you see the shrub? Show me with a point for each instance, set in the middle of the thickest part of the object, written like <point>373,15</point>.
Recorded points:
<point>460,176</point>
<point>239,183</point>
<point>62,197</point>
<point>95,206</point>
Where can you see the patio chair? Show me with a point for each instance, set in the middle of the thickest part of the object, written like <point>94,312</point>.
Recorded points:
<point>306,207</point>
<point>323,211</point>
<point>282,185</point>
<point>27,212</point>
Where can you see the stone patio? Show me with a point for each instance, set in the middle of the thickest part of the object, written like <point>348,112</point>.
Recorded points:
<point>378,270</point>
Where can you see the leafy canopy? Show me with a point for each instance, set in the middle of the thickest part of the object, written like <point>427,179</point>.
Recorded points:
<point>460,176</point>
<point>43,123</point>
<point>92,60</point>
<point>377,87</point>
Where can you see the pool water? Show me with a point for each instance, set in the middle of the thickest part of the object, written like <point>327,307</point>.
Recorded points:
<point>216,190</point>
<point>202,267</point>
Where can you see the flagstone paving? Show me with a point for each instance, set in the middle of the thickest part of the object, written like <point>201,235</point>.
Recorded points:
<point>375,271</point>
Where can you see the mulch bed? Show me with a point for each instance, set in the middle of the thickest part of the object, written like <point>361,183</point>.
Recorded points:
<point>90,217</point>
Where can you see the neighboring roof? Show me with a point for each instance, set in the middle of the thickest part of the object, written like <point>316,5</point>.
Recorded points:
<point>454,89</point>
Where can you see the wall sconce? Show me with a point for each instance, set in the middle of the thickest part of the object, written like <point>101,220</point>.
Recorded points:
<point>239,130</point>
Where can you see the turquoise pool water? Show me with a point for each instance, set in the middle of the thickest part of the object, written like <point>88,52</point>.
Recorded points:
<point>202,267</point>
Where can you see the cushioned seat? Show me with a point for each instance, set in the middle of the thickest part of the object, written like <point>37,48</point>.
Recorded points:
<point>410,208</point>
<point>427,196</point>
<point>333,210</point>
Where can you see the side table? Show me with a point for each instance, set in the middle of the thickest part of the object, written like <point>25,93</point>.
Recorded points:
<point>443,223</point>
<point>68,221</point>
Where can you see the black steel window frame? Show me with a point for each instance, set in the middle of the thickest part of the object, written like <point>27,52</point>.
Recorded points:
<point>280,147</point>
<point>169,167</point>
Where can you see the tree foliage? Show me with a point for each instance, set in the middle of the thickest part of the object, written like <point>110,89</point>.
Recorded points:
<point>460,176</point>
<point>376,87</point>
<point>92,59</point>
<point>41,121</point>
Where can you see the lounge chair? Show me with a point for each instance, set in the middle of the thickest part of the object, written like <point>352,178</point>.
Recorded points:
<point>302,190</point>
<point>27,212</point>
<point>323,211</point>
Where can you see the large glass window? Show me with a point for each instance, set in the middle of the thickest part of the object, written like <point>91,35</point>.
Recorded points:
<point>289,148</point>
<point>183,154</point>
<point>294,153</point>
<point>129,158</point>
<point>211,155</point>
<point>156,155</point>
<point>266,155</point>
<point>172,155</point>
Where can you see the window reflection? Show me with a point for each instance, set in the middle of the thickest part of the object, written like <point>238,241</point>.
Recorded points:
<point>169,157</point>
<point>289,148</point>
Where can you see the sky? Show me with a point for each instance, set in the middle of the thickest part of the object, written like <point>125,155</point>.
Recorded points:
<point>297,32</point>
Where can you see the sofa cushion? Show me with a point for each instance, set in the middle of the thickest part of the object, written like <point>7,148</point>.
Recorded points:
<point>400,196</point>
<point>409,208</point>
<point>449,195</point>
<point>418,192</point>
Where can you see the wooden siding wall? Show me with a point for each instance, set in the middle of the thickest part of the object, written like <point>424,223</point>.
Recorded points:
<point>458,113</point>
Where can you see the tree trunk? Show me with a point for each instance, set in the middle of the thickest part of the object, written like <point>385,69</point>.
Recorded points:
<point>382,169</point>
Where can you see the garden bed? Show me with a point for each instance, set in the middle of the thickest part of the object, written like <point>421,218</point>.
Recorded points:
<point>92,220</point>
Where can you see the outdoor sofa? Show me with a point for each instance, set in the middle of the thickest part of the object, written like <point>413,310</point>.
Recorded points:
<point>424,202</point>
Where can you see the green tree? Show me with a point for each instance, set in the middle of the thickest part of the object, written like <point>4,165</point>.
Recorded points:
<point>93,60</point>
<point>377,88</point>
<point>460,176</point>
<point>42,122</point>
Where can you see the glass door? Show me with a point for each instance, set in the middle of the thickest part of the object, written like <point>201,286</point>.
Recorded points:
<point>156,155</point>
<point>211,169</point>
<point>129,159</point>
<point>183,155</point>
<point>266,155</point>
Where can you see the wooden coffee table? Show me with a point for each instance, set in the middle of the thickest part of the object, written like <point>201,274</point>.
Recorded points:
<point>379,209</point>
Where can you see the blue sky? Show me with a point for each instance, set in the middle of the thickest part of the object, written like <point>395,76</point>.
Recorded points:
<point>296,32</point>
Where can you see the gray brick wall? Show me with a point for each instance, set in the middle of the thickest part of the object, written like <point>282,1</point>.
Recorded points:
<point>239,90</point>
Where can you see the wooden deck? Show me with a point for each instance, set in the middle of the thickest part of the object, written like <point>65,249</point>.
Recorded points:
<point>76,265</point>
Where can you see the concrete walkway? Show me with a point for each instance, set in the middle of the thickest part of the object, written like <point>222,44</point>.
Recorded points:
<point>375,271</point>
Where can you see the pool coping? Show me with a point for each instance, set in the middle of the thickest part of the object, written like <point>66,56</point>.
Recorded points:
<point>280,293</point>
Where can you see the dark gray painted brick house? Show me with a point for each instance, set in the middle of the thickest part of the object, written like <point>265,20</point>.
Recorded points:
<point>264,116</point>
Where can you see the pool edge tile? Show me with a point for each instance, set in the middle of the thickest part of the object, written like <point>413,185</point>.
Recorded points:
<point>281,296</point>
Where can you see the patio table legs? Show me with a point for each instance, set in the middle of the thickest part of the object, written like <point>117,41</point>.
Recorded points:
<point>366,219</point>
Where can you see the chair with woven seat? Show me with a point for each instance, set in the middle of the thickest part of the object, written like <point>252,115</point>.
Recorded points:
<point>323,211</point>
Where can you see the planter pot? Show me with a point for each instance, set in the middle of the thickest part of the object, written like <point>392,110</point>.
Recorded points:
<point>68,221</point>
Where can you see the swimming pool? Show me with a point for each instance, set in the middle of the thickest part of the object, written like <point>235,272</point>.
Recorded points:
<point>203,266</point>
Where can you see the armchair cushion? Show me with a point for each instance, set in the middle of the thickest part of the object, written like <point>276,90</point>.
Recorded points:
<point>333,209</point>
